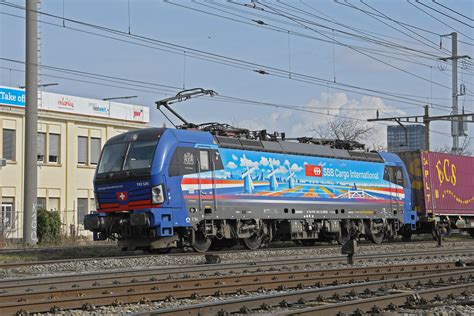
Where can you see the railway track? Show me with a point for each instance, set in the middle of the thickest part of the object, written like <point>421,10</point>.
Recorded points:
<point>109,288</point>
<point>9,265</point>
<point>371,296</point>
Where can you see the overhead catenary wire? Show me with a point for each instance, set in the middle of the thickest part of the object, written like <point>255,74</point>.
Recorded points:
<point>439,20</point>
<point>402,50</point>
<point>365,54</point>
<point>221,98</point>
<point>238,63</point>
<point>454,11</point>
<point>398,21</point>
<point>133,84</point>
<point>445,14</point>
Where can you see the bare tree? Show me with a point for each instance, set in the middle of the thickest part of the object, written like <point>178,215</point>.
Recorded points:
<point>465,151</point>
<point>344,129</point>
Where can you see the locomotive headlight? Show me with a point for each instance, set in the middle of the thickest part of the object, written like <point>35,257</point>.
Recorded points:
<point>157,194</point>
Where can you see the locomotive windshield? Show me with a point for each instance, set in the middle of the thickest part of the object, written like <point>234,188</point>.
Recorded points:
<point>127,156</point>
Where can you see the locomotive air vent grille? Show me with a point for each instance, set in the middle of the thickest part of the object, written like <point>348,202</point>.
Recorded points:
<point>251,143</point>
<point>357,154</point>
<point>373,156</point>
<point>229,141</point>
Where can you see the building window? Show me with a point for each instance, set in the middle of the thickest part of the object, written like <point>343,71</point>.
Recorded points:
<point>7,214</point>
<point>40,203</point>
<point>89,150</point>
<point>53,204</point>
<point>41,147</point>
<point>81,209</point>
<point>8,144</point>
<point>83,150</point>
<point>95,150</point>
<point>54,148</point>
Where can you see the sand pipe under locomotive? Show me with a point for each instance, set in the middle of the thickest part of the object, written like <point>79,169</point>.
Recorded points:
<point>213,184</point>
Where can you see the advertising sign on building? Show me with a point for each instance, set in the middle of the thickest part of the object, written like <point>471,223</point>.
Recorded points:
<point>77,105</point>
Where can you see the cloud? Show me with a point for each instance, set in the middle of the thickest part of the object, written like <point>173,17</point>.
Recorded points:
<point>234,157</point>
<point>287,162</point>
<point>297,123</point>
<point>282,170</point>
<point>275,162</point>
<point>295,168</point>
<point>244,162</point>
<point>264,162</point>
<point>231,165</point>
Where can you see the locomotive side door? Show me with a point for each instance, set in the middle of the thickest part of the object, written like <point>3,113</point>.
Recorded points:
<point>206,182</point>
<point>398,180</point>
<point>390,175</point>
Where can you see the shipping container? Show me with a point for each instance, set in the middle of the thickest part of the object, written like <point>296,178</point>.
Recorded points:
<point>442,184</point>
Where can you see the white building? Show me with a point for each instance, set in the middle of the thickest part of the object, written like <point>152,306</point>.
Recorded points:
<point>71,132</point>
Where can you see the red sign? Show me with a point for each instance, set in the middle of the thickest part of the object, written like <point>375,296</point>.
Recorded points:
<point>122,196</point>
<point>137,114</point>
<point>313,171</point>
<point>448,182</point>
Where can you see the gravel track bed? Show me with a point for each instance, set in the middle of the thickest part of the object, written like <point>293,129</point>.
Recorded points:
<point>450,307</point>
<point>109,264</point>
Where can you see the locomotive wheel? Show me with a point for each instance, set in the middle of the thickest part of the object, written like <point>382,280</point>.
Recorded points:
<point>253,242</point>
<point>377,238</point>
<point>201,243</point>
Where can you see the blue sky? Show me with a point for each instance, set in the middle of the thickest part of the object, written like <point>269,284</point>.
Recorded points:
<point>66,48</point>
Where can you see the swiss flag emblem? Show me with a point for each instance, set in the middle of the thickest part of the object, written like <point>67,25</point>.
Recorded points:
<point>313,171</point>
<point>122,196</point>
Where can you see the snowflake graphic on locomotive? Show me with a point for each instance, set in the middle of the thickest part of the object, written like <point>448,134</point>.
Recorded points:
<point>159,188</point>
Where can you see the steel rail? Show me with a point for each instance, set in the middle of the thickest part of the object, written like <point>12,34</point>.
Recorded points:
<point>161,290</point>
<point>9,265</point>
<point>377,304</point>
<point>196,270</point>
<point>286,299</point>
<point>13,290</point>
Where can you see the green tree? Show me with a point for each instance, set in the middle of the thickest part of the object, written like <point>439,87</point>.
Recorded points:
<point>49,227</point>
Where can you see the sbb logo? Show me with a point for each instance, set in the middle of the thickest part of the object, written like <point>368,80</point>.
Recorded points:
<point>314,171</point>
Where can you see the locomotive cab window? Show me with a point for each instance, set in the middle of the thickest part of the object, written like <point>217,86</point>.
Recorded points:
<point>204,160</point>
<point>394,175</point>
<point>399,176</point>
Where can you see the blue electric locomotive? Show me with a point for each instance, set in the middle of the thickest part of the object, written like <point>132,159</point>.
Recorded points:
<point>159,188</point>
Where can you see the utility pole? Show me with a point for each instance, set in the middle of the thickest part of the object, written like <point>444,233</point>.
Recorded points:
<point>30,181</point>
<point>456,128</point>
<point>425,119</point>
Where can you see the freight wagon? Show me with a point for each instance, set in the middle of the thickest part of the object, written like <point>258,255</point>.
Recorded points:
<point>442,191</point>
